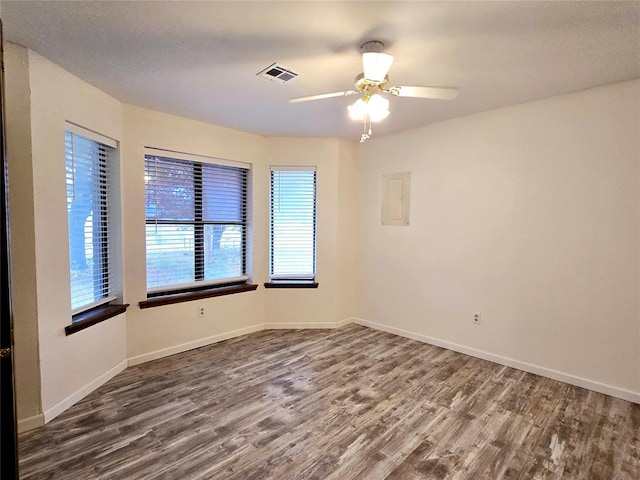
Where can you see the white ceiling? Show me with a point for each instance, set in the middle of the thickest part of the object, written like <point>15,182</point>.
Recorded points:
<point>200,59</point>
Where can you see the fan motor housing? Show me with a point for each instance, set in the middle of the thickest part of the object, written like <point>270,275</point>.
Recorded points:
<point>362,84</point>
<point>372,46</point>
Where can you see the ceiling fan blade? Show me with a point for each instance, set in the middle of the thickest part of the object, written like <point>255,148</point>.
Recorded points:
<point>440,93</point>
<point>323,95</point>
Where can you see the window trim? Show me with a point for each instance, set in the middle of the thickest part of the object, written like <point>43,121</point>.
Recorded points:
<point>90,306</point>
<point>292,284</point>
<point>188,295</point>
<point>191,157</point>
<point>94,316</point>
<point>90,134</point>
<point>83,316</point>
<point>155,291</point>
<point>293,280</point>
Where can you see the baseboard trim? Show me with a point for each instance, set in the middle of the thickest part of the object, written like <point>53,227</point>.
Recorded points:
<point>184,347</point>
<point>201,342</point>
<point>58,408</point>
<point>509,362</point>
<point>299,325</point>
<point>346,321</point>
<point>29,423</point>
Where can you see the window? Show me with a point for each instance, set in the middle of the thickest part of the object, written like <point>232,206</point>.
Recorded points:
<point>196,222</point>
<point>89,162</point>
<point>293,225</point>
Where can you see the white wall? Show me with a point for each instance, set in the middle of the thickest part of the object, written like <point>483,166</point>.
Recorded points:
<point>529,215</point>
<point>69,365</point>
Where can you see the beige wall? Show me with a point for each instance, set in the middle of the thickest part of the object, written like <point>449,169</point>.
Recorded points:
<point>527,214</point>
<point>348,234</point>
<point>70,367</point>
<point>164,328</point>
<point>23,273</point>
<point>335,235</point>
<point>68,364</point>
<point>161,330</point>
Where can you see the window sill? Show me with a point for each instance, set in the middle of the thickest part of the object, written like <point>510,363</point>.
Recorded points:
<point>170,298</point>
<point>291,284</point>
<point>95,315</point>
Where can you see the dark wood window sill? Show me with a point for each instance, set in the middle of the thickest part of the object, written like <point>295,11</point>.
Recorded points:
<point>291,284</point>
<point>95,315</point>
<point>172,297</point>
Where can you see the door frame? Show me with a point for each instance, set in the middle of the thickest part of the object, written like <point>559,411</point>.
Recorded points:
<point>8,428</point>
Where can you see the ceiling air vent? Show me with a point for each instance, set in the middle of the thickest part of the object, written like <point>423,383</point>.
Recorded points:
<point>278,73</point>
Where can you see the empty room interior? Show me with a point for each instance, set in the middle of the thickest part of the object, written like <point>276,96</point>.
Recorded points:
<point>324,240</point>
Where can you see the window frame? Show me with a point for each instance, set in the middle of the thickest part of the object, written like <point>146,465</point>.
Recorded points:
<point>293,280</point>
<point>200,287</point>
<point>106,307</point>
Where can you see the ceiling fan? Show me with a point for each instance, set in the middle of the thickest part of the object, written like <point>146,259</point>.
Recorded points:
<point>373,83</point>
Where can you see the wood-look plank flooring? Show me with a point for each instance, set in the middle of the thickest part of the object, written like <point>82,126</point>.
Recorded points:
<point>351,403</point>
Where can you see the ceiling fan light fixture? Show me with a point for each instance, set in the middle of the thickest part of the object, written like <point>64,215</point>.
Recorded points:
<point>358,110</point>
<point>378,108</point>
<point>374,109</point>
<point>376,65</point>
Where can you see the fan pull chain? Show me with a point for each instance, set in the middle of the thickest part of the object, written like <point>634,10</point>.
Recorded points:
<point>366,134</point>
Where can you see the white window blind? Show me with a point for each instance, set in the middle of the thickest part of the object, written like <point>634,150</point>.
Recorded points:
<point>293,223</point>
<point>89,183</point>
<point>196,223</point>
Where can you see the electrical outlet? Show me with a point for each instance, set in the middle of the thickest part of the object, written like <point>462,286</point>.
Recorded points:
<point>201,312</point>
<point>476,318</point>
